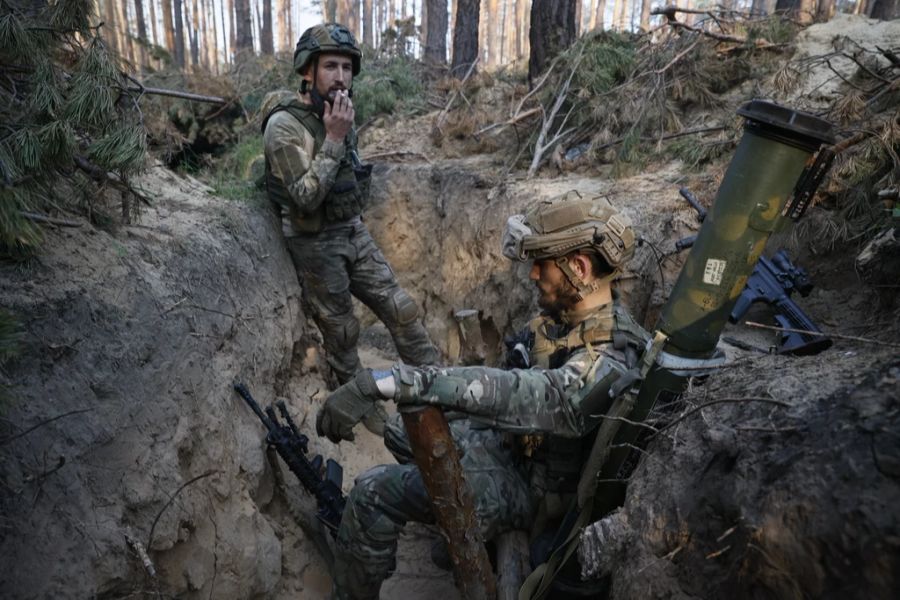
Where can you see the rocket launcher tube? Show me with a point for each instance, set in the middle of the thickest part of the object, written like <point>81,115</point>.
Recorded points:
<point>777,145</point>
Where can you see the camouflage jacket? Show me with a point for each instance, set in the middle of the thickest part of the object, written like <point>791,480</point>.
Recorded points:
<point>566,401</point>
<point>306,172</point>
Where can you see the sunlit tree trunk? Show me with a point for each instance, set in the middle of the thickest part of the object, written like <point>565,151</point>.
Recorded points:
<point>645,15</point>
<point>552,31</point>
<point>465,36</point>
<point>195,34</point>
<point>521,28</point>
<point>266,42</point>
<point>368,18</point>
<point>825,10</point>
<point>436,31</point>
<point>212,36</point>
<point>489,26</point>
<point>168,27</point>
<point>578,28</point>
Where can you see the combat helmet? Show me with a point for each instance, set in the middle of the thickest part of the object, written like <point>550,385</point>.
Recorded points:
<point>571,222</point>
<point>330,38</point>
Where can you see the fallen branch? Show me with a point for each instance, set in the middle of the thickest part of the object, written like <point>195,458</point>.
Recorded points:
<point>443,114</point>
<point>398,153</point>
<point>820,334</point>
<point>140,89</point>
<point>103,176</point>
<point>39,218</point>
<point>511,121</point>
<point>669,13</point>
<point>540,145</point>
<point>665,137</point>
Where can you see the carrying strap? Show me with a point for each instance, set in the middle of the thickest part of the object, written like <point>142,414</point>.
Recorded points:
<point>540,582</point>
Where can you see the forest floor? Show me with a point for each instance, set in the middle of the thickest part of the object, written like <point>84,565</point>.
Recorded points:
<point>132,469</point>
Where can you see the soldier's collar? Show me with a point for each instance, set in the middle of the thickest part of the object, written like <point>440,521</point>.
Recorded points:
<point>574,317</point>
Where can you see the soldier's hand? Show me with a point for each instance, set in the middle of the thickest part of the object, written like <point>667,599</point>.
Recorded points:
<point>346,407</point>
<point>338,116</point>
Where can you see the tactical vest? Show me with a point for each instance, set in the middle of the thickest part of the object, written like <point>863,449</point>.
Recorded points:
<point>350,178</point>
<point>557,460</point>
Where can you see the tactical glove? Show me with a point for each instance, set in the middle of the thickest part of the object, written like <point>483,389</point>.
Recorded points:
<point>345,202</point>
<point>346,406</point>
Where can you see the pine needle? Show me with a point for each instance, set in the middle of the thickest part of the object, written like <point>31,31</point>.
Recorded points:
<point>28,148</point>
<point>15,42</point>
<point>71,15</point>
<point>122,148</point>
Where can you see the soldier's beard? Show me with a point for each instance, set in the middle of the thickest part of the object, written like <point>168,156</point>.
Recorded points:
<point>558,299</point>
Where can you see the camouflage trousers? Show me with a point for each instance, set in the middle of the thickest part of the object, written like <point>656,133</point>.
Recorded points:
<point>342,261</point>
<point>384,498</point>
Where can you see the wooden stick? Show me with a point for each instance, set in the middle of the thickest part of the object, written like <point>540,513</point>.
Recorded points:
<point>451,498</point>
<point>398,153</point>
<point>39,218</point>
<point>511,121</point>
<point>177,94</point>
<point>820,334</point>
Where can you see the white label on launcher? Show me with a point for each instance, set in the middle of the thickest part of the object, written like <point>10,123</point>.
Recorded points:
<point>713,272</point>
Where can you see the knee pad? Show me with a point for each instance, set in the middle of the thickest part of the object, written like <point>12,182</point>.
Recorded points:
<point>404,307</point>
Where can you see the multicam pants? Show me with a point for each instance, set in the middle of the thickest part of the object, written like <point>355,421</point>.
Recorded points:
<point>384,498</point>
<point>344,260</point>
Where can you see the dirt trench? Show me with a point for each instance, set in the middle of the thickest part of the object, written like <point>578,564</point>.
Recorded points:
<point>120,431</point>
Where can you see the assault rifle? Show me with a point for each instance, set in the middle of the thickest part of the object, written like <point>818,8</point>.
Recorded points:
<point>772,282</point>
<point>292,447</point>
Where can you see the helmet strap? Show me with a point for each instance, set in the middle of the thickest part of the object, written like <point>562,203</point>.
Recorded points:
<point>577,282</point>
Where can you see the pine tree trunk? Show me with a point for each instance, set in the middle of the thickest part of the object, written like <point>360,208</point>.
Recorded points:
<point>212,36</point>
<point>620,12</point>
<point>153,39</point>
<point>552,31</point>
<point>521,28</point>
<point>801,10</point>
<point>578,28</point>
<point>329,10</point>
<point>141,22</point>
<point>465,36</point>
<point>758,7</point>
<point>600,15</point>
<point>179,33</point>
<point>884,9</point>
<point>243,26</point>
<point>109,31</point>
<point>436,28</point>
<point>825,10</point>
<point>232,30</point>
<point>645,15</point>
<point>491,38</point>
<point>168,27</point>
<point>368,24</point>
<point>195,37</point>
<point>266,42</point>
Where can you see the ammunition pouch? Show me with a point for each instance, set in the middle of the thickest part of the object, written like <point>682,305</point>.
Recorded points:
<point>350,192</point>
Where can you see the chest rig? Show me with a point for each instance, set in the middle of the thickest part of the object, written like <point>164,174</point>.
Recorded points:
<point>352,178</point>
<point>556,461</point>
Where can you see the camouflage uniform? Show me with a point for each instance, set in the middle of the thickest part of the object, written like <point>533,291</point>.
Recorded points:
<point>314,180</point>
<point>559,399</point>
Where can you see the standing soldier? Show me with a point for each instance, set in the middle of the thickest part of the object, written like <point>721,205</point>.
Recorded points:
<point>313,173</point>
<point>582,352</point>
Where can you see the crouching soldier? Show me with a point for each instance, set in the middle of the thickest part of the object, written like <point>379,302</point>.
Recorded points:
<point>579,346</point>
